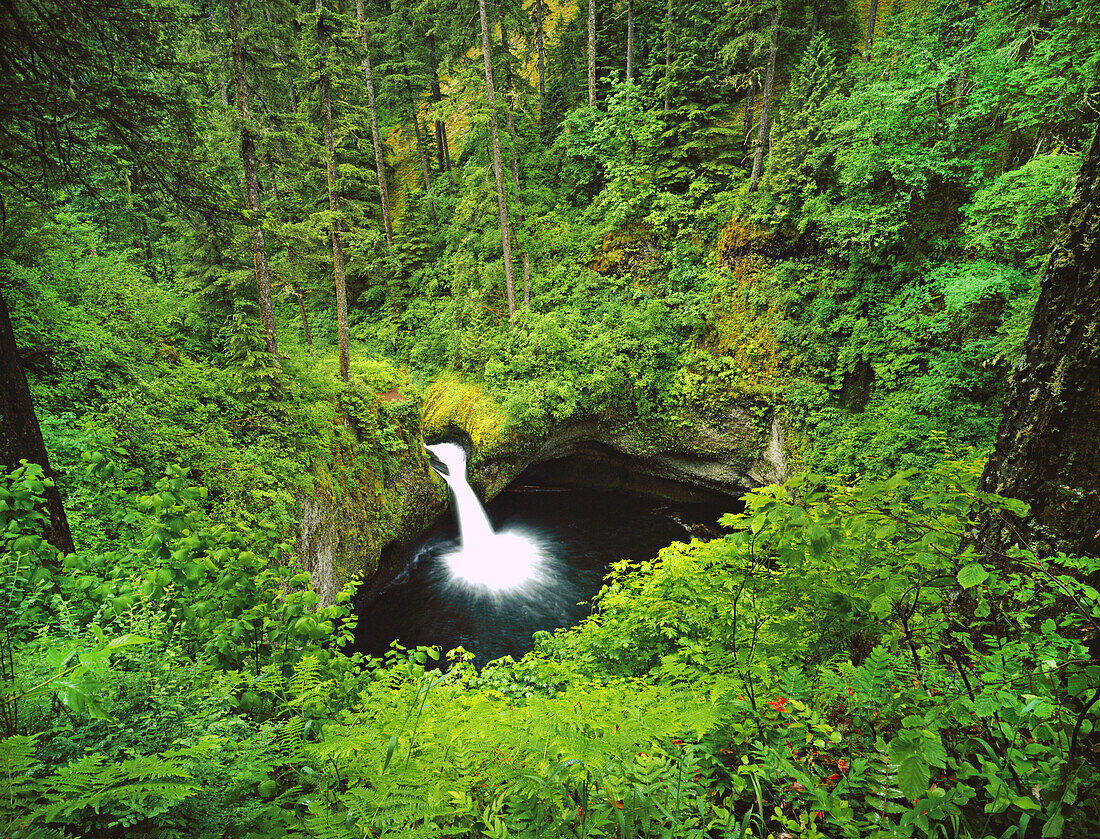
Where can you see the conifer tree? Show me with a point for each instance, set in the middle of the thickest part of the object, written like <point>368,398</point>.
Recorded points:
<point>379,159</point>
<point>324,91</point>
<point>253,204</point>
<point>502,204</point>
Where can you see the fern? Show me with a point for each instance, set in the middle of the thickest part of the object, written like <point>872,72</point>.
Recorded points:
<point>17,785</point>
<point>132,791</point>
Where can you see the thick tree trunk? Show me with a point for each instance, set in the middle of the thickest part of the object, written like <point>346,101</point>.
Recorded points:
<point>333,204</point>
<point>1048,445</point>
<point>379,159</point>
<point>252,185</point>
<point>20,434</point>
<point>592,53</point>
<point>505,237</point>
<point>765,105</point>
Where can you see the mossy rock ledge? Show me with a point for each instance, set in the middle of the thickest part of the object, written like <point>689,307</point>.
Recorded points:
<point>692,462</point>
<point>722,455</point>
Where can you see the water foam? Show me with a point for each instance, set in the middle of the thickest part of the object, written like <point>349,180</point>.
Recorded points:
<point>498,563</point>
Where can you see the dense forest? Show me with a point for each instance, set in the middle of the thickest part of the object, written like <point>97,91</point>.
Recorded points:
<point>254,252</point>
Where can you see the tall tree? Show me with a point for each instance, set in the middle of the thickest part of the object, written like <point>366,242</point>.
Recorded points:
<point>668,59</point>
<point>592,53</point>
<point>379,159</point>
<point>324,85</point>
<point>252,183</point>
<point>509,97</point>
<point>629,41</point>
<point>20,434</point>
<point>872,19</point>
<point>1048,444</point>
<point>443,149</point>
<point>766,103</point>
<point>502,203</point>
<point>540,43</point>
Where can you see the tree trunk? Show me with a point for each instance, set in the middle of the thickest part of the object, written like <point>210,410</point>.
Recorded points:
<point>20,434</point>
<point>765,105</point>
<point>443,151</point>
<point>379,160</point>
<point>252,185</point>
<point>505,237</point>
<point>305,320</point>
<point>526,280</point>
<point>539,40</point>
<point>1048,444</point>
<point>668,59</point>
<point>333,204</point>
<point>509,98</point>
<point>629,41</point>
<point>750,104</point>
<point>814,20</point>
<point>872,17</point>
<point>750,94</point>
<point>592,53</point>
<point>425,170</point>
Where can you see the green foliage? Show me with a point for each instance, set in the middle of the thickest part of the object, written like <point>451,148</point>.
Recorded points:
<point>1014,218</point>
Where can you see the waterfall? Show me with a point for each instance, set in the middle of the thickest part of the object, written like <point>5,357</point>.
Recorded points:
<point>483,559</point>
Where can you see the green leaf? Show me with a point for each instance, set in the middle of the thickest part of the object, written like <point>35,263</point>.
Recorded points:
<point>971,575</point>
<point>913,774</point>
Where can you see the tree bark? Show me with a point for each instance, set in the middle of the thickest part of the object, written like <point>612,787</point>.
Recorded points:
<point>872,17</point>
<point>765,105</point>
<point>505,237</point>
<point>379,159</point>
<point>509,98</point>
<point>592,53</point>
<point>1048,444</point>
<point>20,433</point>
<point>324,85</point>
<point>443,151</point>
<point>252,185</point>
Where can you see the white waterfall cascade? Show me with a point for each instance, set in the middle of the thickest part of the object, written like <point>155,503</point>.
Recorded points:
<point>497,562</point>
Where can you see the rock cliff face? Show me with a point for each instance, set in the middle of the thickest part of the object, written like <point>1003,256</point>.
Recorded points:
<point>1048,445</point>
